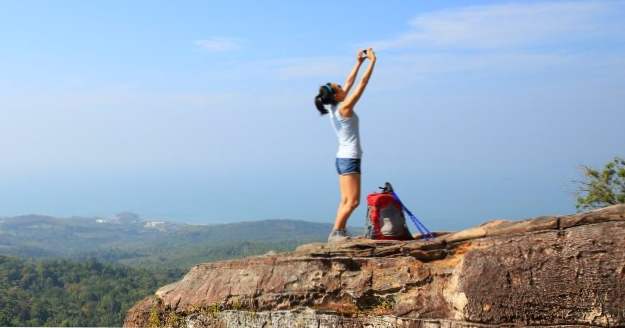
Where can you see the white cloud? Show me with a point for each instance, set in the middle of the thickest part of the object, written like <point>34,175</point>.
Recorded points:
<point>283,69</point>
<point>509,39</point>
<point>507,25</point>
<point>108,99</point>
<point>218,44</point>
<point>297,68</point>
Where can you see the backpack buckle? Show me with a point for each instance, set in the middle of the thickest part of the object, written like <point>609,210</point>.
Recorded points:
<point>387,187</point>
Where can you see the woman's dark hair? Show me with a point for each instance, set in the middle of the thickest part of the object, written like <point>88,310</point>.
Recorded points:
<point>325,97</point>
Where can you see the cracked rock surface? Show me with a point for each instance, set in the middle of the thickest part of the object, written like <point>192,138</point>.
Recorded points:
<point>557,271</point>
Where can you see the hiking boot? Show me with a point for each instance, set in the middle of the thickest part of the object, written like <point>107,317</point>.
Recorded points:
<point>338,235</point>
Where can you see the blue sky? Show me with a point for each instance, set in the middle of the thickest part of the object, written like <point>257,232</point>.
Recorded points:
<point>202,111</point>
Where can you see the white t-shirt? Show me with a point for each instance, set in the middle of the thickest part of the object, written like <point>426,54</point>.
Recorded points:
<point>348,133</point>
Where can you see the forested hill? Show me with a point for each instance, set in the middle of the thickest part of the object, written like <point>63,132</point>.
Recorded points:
<point>89,271</point>
<point>69,293</point>
<point>128,239</point>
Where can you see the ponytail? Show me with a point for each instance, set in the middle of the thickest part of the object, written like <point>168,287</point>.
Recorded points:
<point>325,97</point>
<point>320,106</point>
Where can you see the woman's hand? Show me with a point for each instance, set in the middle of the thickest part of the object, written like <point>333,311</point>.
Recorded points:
<point>371,54</point>
<point>360,57</point>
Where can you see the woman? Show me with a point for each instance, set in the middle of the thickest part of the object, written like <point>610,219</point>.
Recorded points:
<point>345,122</point>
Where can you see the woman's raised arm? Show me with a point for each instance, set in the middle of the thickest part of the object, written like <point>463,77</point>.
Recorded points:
<point>352,75</point>
<point>348,104</point>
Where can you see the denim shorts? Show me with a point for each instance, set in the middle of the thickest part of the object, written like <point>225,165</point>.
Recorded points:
<point>348,166</point>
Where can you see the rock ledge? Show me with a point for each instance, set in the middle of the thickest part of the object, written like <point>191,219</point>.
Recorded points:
<point>546,271</point>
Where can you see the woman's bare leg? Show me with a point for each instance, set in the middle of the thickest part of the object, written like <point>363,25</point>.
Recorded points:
<point>349,186</point>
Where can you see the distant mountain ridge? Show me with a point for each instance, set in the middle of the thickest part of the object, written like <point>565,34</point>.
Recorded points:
<point>129,239</point>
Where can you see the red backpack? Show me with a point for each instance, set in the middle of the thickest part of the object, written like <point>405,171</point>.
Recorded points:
<point>385,216</point>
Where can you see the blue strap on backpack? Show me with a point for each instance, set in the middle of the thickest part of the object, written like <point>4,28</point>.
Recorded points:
<point>425,232</point>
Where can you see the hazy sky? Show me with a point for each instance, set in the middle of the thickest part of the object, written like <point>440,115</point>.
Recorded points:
<point>203,111</point>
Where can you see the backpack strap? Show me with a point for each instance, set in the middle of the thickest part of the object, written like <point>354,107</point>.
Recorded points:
<point>368,226</point>
<point>425,233</point>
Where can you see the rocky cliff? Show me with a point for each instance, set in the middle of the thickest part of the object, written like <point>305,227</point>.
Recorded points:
<point>546,271</point>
